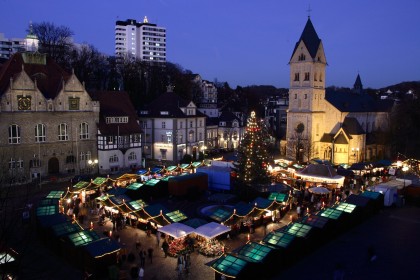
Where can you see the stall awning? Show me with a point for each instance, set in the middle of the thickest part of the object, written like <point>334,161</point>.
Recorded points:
<point>142,171</point>
<point>279,197</point>
<point>176,230</point>
<point>195,222</point>
<point>99,181</point>
<point>315,221</point>
<point>221,214</point>
<point>262,203</point>
<point>171,168</point>
<point>155,210</point>
<point>81,185</point>
<point>185,165</point>
<point>136,205</point>
<point>151,182</point>
<point>102,247</point>
<point>242,209</point>
<point>211,230</point>
<point>66,228</point>
<point>48,202</point>
<point>134,186</point>
<point>47,210</point>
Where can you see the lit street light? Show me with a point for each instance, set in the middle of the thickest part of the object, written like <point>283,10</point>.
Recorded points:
<point>93,164</point>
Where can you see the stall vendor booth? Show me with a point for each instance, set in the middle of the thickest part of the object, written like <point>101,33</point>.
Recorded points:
<point>72,243</point>
<point>351,212</point>
<point>99,255</point>
<point>61,230</point>
<point>231,267</point>
<point>364,203</point>
<point>260,256</point>
<point>322,225</point>
<point>337,218</point>
<point>207,242</point>
<point>305,234</point>
<point>376,197</point>
<point>176,236</point>
<point>317,174</point>
<point>286,247</point>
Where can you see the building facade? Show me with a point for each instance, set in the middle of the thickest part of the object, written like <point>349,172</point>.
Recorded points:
<point>340,127</point>
<point>47,117</point>
<point>10,46</point>
<point>173,127</point>
<point>140,40</point>
<point>119,133</point>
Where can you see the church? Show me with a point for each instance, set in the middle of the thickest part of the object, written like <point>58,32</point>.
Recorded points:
<point>340,127</point>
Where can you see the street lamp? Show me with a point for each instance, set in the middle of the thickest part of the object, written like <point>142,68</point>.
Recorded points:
<point>93,164</point>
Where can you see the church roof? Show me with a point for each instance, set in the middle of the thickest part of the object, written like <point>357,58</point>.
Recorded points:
<point>327,138</point>
<point>352,102</point>
<point>352,127</point>
<point>310,38</point>
<point>341,139</point>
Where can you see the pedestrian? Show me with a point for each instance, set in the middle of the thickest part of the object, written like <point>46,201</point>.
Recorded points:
<point>141,273</point>
<point>165,247</point>
<point>142,258</point>
<point>158,238</point>
<point>150,254</point>
<point>299,211</point>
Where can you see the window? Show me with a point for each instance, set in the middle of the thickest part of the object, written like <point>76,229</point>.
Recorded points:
<point>191,136</point>
<point>306,96</point>
<point>85,156</point>
<point>113,158</point>
<point>191,123</point>
<point>163,125</point>
<point>295,95</point>
<point>302,57</point>
<point>306,76</point>
<point>62,132</point>
<point>33,163</point>
<point>169,139</point>
<point>200,136</point>
<point>132,156</point>
<point>40,133</point>
<point>296,77</point>
<point>320,77</point>
<point>84,131</point>
<point>14,134</point>
<point>14,164</point>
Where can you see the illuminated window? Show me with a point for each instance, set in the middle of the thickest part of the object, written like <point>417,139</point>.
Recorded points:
<point>40,133</point>
<point>14,134</point>
<point>62,132</point>
<point>84,131</point>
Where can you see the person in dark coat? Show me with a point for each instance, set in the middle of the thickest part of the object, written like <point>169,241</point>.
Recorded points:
<point>150,254</point>
<point>165,247</point>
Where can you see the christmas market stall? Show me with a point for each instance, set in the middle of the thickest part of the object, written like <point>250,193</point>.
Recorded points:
<point>322,225</point>
<point>287,247</point>
<point>60,230</point>
<point>304,233</point>
<point>151,217</point>
<point>260,256</point>
<point>376,197</point>
<point>316,174</point>
<point>100,254</point>
<point>71,244</point>
<point>362,202</point>
<point>176,236</point>
<point>337,218</point>
<point>230,267</point>
<point>191,184</point>
<point>352,213</point>
<point>206,239</point>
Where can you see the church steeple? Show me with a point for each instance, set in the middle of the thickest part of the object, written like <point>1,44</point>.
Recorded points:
<point>358,87</point>
<point>310,39</point>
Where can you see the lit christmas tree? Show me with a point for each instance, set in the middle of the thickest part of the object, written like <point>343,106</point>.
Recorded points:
<point>253,153</point>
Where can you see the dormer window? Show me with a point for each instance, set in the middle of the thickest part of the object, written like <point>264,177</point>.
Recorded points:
<point>164,113</point>
<point>301,57</point>
<point>222,124</point>
<point>144,112</point>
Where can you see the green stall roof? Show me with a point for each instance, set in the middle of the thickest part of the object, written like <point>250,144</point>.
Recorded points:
<point>185,165</point>
<point>176,216</point>
<point>83,237</point>
<point>49,201</point>
<point>279,239</point>
<point>262,203</point>
<point>66,228</point>
<point>298,229</point>
<point>47,210</point>
<point>99,180</point>
<point>81,185</point>
<point>345,207</point>
<point>331,213</point>
<point>134,186</point>
<point>171,168</point>
<point>372,195</point>
<point>254,252</point>
<point>221,214</point>
<point>279,197</point>
<point>315,221</point>
<point>151,182</point>
<point>55,194</point>
<point>197,163</point>
<point>155,209</point>
<point>137,204</point>
<point>166,178</point>
<point>229,265</point>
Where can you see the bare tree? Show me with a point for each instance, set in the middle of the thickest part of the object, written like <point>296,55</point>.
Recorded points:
<point>54,40</point>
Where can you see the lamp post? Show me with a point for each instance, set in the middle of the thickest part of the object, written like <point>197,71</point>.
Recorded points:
<point>93,164</point>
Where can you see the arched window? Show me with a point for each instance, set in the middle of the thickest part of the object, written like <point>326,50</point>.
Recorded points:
<point>191,136</point>
<point>113,158</point>
<point>40,133</point>
<point>14,134</point>
<point>63,132</point>
<point>84,131</point>
<point>132,156</point>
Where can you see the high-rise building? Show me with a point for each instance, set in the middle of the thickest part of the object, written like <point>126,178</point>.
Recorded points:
<point>140,40</point>
<point>9,46</point>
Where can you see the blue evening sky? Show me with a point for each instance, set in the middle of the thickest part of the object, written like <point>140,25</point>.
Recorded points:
<point>249,42</point>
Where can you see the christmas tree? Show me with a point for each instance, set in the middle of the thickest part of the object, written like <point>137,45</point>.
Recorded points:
<point>253,153</point>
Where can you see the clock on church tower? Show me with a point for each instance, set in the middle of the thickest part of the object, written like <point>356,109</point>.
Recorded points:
<point>24,102</point>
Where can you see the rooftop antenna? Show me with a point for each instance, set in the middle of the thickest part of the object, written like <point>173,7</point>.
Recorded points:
<point>309,10</point>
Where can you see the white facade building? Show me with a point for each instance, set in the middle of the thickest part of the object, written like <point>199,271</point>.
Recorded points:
<point>144,41</point>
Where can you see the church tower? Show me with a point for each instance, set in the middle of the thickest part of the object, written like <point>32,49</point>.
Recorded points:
<point>305,116</point>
